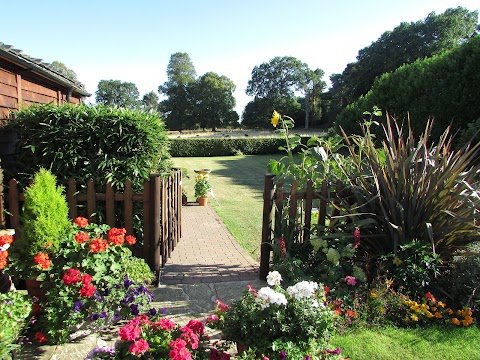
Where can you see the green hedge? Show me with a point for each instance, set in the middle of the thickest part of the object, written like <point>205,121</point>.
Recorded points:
<point>187,147</point>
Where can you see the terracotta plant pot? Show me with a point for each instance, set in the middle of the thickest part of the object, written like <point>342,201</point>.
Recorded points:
<point>184,200</point>
<point>202,201</point>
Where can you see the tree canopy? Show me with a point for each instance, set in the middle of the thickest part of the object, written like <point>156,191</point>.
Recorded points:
<point>193,102</point>
<point>405,44</point>
<point>117,93</point>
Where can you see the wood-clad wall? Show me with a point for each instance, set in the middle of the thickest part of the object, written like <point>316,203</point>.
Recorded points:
<point>17,90</point>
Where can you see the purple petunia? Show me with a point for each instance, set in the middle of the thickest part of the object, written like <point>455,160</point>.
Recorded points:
<point>77,306</point>
<point>134,309</point>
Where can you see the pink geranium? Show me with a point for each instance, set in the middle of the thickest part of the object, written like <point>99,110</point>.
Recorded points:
<point>166,324</point>
<point>350,280</point>
<point>138,347</point>
<point>129,332</point>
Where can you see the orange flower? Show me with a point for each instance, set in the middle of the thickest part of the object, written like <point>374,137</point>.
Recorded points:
<point>43,260</point>
<point>438,315</point>
<point>6,239</point>
<point>449,311</point>
<point>130,240</point>
<point>81,221</point>
<point>98,245</point>
<point>116,236</point>
<point>82,237</point>
<point>456,321</point>
<point>351,313</point>
<point>3,259</point>
<point>468,320</point>
<point>338,311</point>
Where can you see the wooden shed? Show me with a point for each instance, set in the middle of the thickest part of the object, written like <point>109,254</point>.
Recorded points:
<point>25,81</point>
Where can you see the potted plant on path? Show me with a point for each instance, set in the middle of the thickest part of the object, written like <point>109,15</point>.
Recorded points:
<point>202,188</point>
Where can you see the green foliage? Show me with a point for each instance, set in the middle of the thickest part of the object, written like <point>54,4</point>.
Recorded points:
<point>117,93</point>
<point>188,147</point>
<point>413,190</point>
<point>138,270</point>
<point>405,44</point>
<point>202,185</point>
<point>45,216</point>
<point>258,111</point>
<point>15,309</point>
<point>91,142</point>
<point>452,79</point>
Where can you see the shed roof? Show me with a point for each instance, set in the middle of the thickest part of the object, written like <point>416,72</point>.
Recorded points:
<point>41,68</point>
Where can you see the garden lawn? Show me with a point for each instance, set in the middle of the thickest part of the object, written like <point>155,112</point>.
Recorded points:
<point>237,183</point>
<point>431,343</point>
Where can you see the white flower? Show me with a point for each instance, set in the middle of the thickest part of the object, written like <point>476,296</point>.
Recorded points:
<point>267,296</point>
<point>274,278</point>
<point>302,289</point>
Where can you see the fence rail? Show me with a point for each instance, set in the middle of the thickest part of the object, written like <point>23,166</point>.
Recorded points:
<point>161,198</point>
<point>299,216</point>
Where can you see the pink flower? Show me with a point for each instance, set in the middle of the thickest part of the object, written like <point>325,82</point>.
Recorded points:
<point>166,324</point>
<point>196,326</point>
<point>180,354</point>
<point>356,238</point>
<point>129,332</point>
<point>190,337</point>
<point>283,247</point>
<point>212,318</point>
<point>221,306</point>
<point>350,280</point>
<point>138,347</point>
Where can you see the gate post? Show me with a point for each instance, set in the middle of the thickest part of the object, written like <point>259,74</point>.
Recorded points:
<point>265,247</point>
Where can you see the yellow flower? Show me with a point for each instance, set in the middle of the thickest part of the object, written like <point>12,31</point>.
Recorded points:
<point>373,293</point>
<point>397,261</point>
<point>441,304</point>
<point>389,282</point>
<point>275,118</point>
<point>414,317</point>
<point>429,314</point>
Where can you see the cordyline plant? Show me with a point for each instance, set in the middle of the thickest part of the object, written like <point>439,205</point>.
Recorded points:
<point>414,190</point>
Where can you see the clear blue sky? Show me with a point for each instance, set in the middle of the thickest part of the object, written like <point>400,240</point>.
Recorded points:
<point>133,40</point>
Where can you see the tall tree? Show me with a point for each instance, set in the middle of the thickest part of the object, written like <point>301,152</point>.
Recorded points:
<point>279,79</point>
<point>405,44</point>
<point>150,101</point>
<point>214,101</point>
<point>179,106</point>
<point>117,93</point>
<point>62,69</point>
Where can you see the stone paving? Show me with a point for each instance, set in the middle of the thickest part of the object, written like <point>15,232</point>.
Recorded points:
<point>206,265</point>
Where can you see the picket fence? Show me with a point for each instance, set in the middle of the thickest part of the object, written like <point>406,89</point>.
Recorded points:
<point>161,198</point>
<point>297,207</point>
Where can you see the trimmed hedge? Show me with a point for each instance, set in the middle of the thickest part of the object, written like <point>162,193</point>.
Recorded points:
<point>188,147</point>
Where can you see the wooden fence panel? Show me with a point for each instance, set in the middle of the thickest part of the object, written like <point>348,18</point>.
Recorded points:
<point>161,199</point>
<point>299,207</point>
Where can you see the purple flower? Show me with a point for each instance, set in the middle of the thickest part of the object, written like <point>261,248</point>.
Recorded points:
<point>127,283</point>
<point>94,316</point>
<point>163,311</point>
<point>98,297</point>
<point>282,355</point>
<point>116,316</point>
<point>77,306</point>
<point>134,309</point>
<point>152,312</point>
<point>307,357</point>
<point>103,315</point>
<point>336,351</point>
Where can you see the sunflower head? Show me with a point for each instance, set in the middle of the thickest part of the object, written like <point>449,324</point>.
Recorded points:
<point>275,118</point>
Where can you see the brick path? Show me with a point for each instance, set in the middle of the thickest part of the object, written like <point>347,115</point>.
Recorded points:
<point>207,252</point>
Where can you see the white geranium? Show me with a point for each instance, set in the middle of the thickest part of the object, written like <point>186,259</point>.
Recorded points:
<point>302,289</point>
<point>267,296</point>
<point>274,278</point>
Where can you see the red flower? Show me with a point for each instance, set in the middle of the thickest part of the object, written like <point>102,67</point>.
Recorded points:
<point>3,259</point>
<point>6,239</point>
<point>326,289</point>
<point>252,290</point>
<point>356,238</point>
<point>138,347</point>
<point>430,297</point>
<point>71,276</point>
<point>86,279</point>
<point>81,222</point>
<point>82,237</point>
<point>351,313</point>
<point>43,260</point>
<point>130,240</point>
<point>87,290</point>
<point>98,245</point>
<point>338,311</point>
<point>116,236</point>
<point>40,337</point>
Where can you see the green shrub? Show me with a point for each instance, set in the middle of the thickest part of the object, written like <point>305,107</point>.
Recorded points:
<point>413,190</point>
<point>187,147</point>
<point>138,270</point>
<point>45,215</point>
<point>91,142</point>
